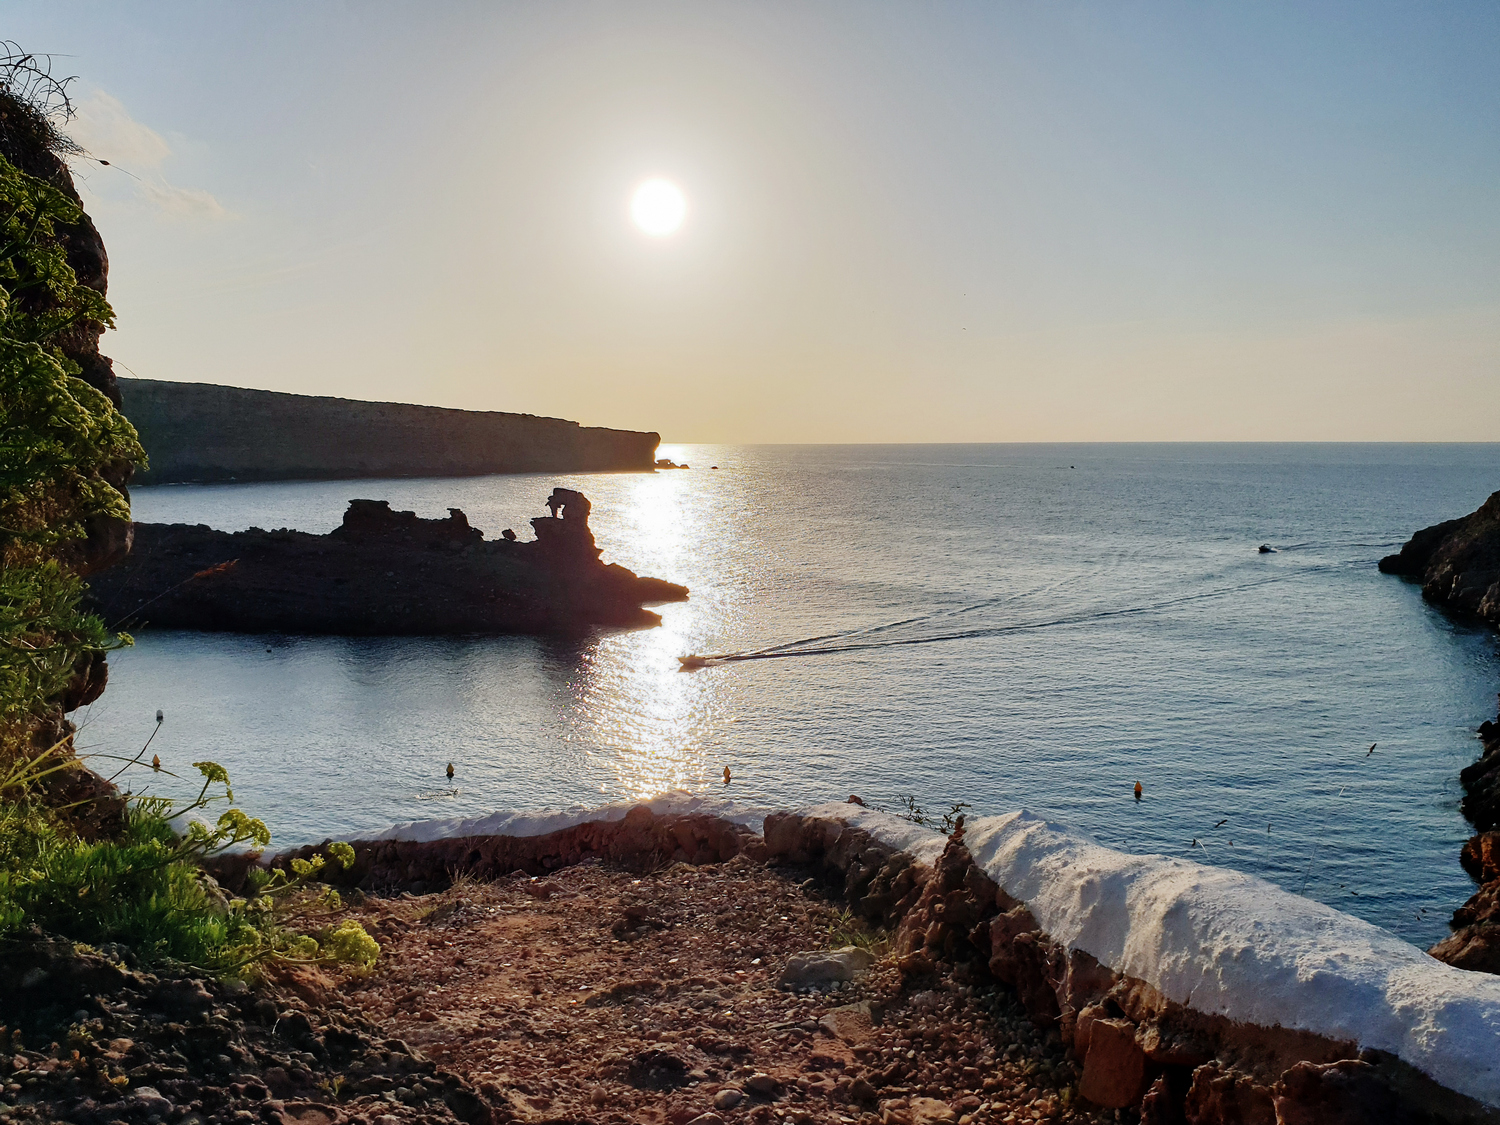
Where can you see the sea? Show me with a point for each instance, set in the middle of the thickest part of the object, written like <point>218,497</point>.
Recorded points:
<point>979,628</point>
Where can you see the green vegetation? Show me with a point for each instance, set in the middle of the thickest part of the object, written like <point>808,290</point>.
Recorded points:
<point>59,440</point>
<point>62,445</point>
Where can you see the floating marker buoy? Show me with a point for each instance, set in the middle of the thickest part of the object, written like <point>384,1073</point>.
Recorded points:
<point>156,761</point>
<point>450,771</point>
<point>1138,790</point>
<point>726,775</point>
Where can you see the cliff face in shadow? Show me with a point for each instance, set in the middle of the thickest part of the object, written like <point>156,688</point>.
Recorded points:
<point>380,573</point>
<point>1457,562</point>
<point>200,432</point>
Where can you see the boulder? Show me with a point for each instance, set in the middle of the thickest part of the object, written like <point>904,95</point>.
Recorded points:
<point>1114,1070</point>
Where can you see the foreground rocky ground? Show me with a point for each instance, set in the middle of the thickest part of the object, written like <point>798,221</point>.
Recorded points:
<point>593,994</point>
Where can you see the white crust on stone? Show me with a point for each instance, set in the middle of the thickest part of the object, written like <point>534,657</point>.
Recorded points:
<point>541,822</point>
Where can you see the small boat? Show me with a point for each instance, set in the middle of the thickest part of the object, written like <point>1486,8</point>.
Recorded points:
<point>1267,549</point>
<point>690,663</point>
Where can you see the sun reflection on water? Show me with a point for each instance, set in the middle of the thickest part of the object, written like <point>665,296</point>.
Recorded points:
<point>647,722</point>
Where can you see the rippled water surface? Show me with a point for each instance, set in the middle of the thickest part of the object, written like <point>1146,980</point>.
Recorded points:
<point>1006,626</point>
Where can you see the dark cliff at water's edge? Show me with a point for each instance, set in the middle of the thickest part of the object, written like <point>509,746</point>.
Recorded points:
<point>380,573</point>
<point>1457,562</point>
<point>202,432</point>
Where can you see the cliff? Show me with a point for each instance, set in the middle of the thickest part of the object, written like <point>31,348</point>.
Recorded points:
<point>1457,562</point>
<point>201,432</point>
<point>380,573</point>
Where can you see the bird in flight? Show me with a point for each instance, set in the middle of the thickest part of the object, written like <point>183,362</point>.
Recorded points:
<point>1371,750</point>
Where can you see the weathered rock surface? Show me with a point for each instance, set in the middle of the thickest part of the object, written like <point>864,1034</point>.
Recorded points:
<point>381,572</point>
<point>201,432</point>
<point>1475,942</point>
<point>172,1045</point>
<point>1137,1048</point>
<point>1457,562</point>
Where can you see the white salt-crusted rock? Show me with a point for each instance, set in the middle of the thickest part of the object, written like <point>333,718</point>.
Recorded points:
<point>541,822</point>
<point>1230,944</point>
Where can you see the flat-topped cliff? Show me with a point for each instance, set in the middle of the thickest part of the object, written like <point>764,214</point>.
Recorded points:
<point>202,432</point>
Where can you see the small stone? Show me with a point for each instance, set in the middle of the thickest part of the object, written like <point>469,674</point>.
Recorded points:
<point>930,1111</point>
<point>386,1119</point>
<point>804,969</point>
<point>762,1084</point>
<point>706,1119</point>
<point>728,1097</point>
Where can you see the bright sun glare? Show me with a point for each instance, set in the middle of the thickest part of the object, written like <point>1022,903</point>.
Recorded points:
<point>658,207</point>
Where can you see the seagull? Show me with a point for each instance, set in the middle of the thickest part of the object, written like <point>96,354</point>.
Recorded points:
<point>450,771</point>
<point>1222,823</point>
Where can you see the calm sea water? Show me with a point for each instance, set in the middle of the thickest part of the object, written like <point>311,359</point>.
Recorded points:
<point>1006,626</point>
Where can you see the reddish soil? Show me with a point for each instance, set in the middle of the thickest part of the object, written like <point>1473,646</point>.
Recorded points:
<point>598,995</point>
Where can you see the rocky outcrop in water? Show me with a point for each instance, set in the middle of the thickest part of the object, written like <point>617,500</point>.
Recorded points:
<point>381,572</point>
<point>202,432</point>
<point>1457,562</point>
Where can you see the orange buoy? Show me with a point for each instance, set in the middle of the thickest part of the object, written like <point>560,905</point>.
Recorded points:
<point>726,775</point>
<point>1137,790</point>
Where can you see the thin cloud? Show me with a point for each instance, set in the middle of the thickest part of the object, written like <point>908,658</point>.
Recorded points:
<point>105,128</point>
<point>188,202</point>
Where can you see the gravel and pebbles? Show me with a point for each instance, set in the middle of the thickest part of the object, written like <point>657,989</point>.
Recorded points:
<point>590,995</point>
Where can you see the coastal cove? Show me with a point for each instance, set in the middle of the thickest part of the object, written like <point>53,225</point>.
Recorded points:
<point>1008,626</point>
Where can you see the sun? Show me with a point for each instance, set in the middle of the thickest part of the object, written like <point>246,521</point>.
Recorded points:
<point>658,207</point>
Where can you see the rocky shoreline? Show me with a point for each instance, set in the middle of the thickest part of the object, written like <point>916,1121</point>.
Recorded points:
<point>381,572</point>
<point>1458,564</point>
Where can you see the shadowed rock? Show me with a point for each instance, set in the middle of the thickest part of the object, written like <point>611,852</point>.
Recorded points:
<point>381,572</point>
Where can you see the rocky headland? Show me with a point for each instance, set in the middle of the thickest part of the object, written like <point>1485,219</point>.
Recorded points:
<point>381,572</point>
<point>1458,564</point>
<point>204,432</point>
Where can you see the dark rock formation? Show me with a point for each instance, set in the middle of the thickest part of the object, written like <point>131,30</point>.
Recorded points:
<point>1475,943</point>
<point>178,1045</point>
<point>1457,562</point>
<point>382,572</point>
<point>200,432</point>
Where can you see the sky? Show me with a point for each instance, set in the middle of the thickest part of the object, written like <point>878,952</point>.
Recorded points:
<point>911,221</point>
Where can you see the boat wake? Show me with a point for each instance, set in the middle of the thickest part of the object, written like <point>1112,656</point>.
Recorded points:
<point>872,637</point>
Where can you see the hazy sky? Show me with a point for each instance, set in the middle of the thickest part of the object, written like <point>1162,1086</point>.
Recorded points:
<point>906,221</point>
